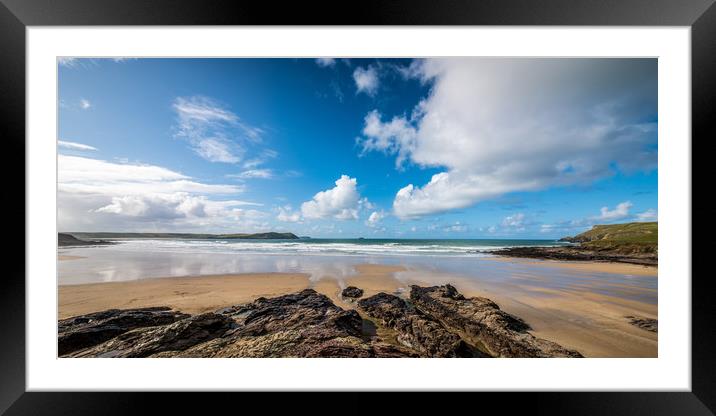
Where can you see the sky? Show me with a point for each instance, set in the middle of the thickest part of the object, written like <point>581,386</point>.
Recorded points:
<point>529,148</point>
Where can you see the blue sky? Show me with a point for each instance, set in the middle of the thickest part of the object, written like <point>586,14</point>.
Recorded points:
<point>425,148</point>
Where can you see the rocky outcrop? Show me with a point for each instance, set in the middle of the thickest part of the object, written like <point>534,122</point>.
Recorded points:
<point>177,336</point>
<point>436,322</point>
<point>89,330</point>
<point>352,292</point>
<point>482,323</point>
<point>414,329</point>
<point>647,324</point>
<point>579,253</point>
<point>304,324</point>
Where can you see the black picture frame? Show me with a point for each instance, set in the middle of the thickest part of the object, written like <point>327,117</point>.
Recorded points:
<point>16,15</point>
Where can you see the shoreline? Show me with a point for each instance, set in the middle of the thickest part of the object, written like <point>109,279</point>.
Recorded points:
<point>591,323</point>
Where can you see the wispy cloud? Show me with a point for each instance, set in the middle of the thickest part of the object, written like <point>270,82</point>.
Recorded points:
<point>214,132</point>
<point>85,104</point>
<point>74,145</point>
<point>286,214</point>
<point>66,61</point>
<point>254,174</point>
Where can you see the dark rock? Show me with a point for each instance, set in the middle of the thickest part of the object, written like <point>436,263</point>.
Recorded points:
<point>648,324</point>
<point>352,292</point>
<point>177,336</point>
<point>437,322</point>
<point>304,324</point>
<point>88,330</point>
<point>415,330</point>
<point>579,253</point>
<point>482,323</point>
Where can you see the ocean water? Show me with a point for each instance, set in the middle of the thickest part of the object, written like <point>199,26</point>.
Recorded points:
<point>382,247</point>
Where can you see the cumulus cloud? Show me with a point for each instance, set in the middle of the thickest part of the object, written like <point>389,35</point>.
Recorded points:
<point>366,80</point>
<point>74,145</point>
<point>621,211</point>
<point>340,202</point>
<point>214,132</point>
<point>96,194</point>
<point>375,218</point>
<point>505,125</point>
<point>324,62</point>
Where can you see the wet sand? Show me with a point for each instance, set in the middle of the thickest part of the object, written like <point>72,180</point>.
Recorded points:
<point>592,323</point>
<point>62,257</point>
<point>586,266</point>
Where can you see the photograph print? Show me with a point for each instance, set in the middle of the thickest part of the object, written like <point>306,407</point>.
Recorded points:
<point>451,207</point>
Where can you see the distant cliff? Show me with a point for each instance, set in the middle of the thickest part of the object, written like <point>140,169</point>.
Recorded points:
<point>629,238</point>
<point>635,242</point>
<point>67,240</point>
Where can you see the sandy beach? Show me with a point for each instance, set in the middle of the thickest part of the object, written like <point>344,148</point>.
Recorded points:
<point>592,323</point>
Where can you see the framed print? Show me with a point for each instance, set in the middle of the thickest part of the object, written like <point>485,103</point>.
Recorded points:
<point>454,198</point>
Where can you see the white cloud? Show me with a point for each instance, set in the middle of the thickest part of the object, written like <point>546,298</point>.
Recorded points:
<point>366,80</point>
<point>85,104</point>
<point>515,221</point>
<point>340,202</point>
<point>286,214</point>
<point>394,137</point>
<point>505,125</point>
<point>457,227</point>
<point>375,218</point>
<point>324,62</point>
<point>74,145</point>
<point>217,150</point>
<point>620,212</point>
<point>96,195</point>
<point>648,215</point>
<point>66,61</point>
<point>254,174</point>
<point>214,132</point>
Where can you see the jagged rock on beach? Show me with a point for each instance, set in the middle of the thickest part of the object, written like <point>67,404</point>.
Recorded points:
<point>482,323</point>
<point>352,292</point>
<point>415,330</point>
<point>435,322</point>
<point>303,324</point>
<point>88,330</point>
<point>177,336</point>
<point>647,324</point>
